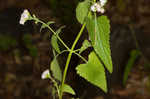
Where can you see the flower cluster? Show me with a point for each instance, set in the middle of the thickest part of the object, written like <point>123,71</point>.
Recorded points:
<point>99,6</point>
<point>24,17</point>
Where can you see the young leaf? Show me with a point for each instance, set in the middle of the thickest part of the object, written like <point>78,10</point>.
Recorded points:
<point>59,30</point>
<point>85,45</point>
<point>50,22</point>
<point>54,42</point>
<point>82,10</point>
<point>99,31</point>
<point>56,71</point>
<point>133,56</point>
<point>44,26</point>
<point>93,71</point>
<point>68,89</point>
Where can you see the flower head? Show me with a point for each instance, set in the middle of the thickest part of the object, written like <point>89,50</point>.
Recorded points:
<point>24,17</point>
<point>100,9</point>
<point>45,74</point>
<point>97,7</point>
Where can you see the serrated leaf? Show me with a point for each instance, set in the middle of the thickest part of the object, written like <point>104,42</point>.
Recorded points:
<point>68,89</point>
<point>84,46</point>
<point>82,11</point>
<point>54,42</point>
<point>93,71</point>
<point>99,32</point>
<point>56,71</point>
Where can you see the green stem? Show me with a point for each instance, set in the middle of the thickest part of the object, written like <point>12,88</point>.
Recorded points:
<point>81,57</point>
<point>52,32</point>
<point>69,58</point>
<point>56,85</point>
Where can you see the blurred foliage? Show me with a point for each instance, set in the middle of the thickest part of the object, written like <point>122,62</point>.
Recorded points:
<point>148,84</point>
<point>33,51</point>
<point>133,56</point>
<point>27,39</point>
<point>6,42</point>
<point>121,5</point>
<point>147,65</point>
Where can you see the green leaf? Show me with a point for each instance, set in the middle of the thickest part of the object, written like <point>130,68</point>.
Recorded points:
<point>54,42</point>
<point>85,45</point>
<point>133,56</point>
<point>56,71</point>
<point>59,30</point>
<point>99,32</point>
<point>82,10</point>
<point>50,22</point>
<point>93,71</point>
<point>44,26</point>
<point>68,89</point>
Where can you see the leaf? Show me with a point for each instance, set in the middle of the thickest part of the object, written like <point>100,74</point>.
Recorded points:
<point>68,89</point>
<point>82,10</point>
<point>93,71</point>
<point>56,71</point>
<point>44,26</point>
<point>59,30</point>
<point>84,46</point>
<point>99,32</point>
<point>133,56</point>
<point>54,42</point>
<point>50,22</point>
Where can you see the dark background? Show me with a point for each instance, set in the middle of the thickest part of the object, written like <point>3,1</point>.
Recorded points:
<point>25,52</point>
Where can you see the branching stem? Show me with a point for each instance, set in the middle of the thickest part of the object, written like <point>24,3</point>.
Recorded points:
<point>69,58</point>
<point>36,19</point>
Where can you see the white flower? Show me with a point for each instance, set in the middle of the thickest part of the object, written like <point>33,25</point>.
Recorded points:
<point>24,17</point>
<point>97,7</point>
<point>102,2</point>
<point>93,7</point>
<point>45,74</point>
<point>101,9</point>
